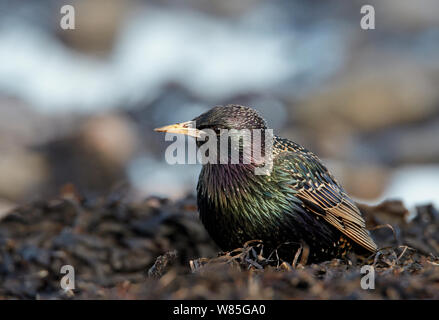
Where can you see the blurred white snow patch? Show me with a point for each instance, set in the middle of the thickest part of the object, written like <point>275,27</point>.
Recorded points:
<point>214,58</point>
<point>217,58</point>
<point>414,185</point>
<point>41,71</point>
<point>153,177</point>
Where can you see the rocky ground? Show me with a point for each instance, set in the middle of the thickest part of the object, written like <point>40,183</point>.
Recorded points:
<point>157,249</point>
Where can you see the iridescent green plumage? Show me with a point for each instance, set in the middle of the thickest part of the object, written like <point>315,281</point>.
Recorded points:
<point>299,203</point>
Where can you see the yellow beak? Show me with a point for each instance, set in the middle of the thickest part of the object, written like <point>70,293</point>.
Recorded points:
<point>186,128</point>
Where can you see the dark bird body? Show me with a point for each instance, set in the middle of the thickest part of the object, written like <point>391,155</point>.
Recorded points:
<point>299,204</point>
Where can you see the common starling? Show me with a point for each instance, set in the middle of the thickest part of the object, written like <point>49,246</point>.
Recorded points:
<point>299,204</point>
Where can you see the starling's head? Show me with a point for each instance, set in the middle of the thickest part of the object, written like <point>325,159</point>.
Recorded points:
<point>230,117</point>
<point>220,117</point>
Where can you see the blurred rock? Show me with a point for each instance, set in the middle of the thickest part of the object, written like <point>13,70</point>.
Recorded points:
<point>366,182</point>
<point>97,25</point>
<point>406,144</point>
<point>407,15</point>
<point>21,173</point>
<point>372,96</point>
<point>390,211</point>
<point>5,207</point>
<point>112,137</point>
<point>94,159</point>
<point>20,125</point>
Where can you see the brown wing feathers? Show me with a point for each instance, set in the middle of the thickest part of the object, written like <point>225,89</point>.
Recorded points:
<point>322,195</point>
<point>344,216</point>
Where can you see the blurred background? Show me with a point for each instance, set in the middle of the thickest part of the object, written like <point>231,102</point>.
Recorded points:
<point>78,107</point>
